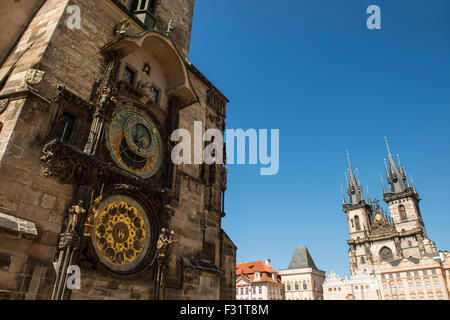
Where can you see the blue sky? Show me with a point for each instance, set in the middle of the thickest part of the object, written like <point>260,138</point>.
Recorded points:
<point>313,70</point>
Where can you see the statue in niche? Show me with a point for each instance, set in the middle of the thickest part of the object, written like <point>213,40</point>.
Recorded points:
<point>146,90</point>
<point>76,212</point>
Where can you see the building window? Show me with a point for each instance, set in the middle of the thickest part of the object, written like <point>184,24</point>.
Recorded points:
<point>363,260</point>
<point>391,276</point>
<point>419,285</point>
<point>386,254</point>
<point>416,273</point>
<point>383,276</point>
<point>427,284</point>
<point>430,297</point>
<point>357,224</point>
<point>398,275</point>
<point>433,271</point>
<point>393,288</point>
<point>296,286</point>
<point>149,5</point>
<point>402,210</point>
<point>408,274</point>
<point>385,288</point>
<point>425,272</point>
<point>400,287</point>
<point>411,286</point>
<point>440,297</point>
<point>129,76</point>
<point>260,290</point>
<point>305,287</point>
<point>436,284</point>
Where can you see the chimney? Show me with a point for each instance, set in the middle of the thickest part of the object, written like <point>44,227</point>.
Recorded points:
<point>268,262</point>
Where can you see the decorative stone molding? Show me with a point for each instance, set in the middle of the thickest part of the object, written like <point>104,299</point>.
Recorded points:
<point>11,223</point>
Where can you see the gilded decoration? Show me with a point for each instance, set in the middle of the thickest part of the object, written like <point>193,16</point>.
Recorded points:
<point>120,233</point>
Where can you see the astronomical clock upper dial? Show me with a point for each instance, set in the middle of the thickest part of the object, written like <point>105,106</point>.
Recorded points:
<point>134,142</point>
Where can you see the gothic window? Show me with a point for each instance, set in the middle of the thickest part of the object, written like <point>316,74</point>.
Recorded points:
<point>401,209</point>
<point>296,286</point>
<point>357,224</point>
<point>288,287</point>
<point>209,251</point>
<point>386,254</point>
<point>363,260</point>
<point>305,287</point>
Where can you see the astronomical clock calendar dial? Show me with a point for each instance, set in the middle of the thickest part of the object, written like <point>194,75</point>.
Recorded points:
<point>122,234</point>
<point>134,142</point>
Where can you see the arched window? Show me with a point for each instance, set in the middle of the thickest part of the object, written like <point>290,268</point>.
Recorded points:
<point>402,210</point>
<point>296,286</point>
<point>357,224</point>
<point>305,287</point>
<point>288,287</point>
<point>363,260</point>
<point>386,254</point>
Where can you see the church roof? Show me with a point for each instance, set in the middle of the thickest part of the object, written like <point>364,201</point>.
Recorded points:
<point>302,259</point>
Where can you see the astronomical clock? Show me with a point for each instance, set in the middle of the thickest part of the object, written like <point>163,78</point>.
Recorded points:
<point>122,234</point>
<point>134,142</point>
<point>125,231</point>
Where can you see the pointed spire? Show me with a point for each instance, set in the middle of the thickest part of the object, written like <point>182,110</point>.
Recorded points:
<point>354,189</point>
<point>396,178</point>
<point>369,201</point>
<point>400,165</point>
<point>382,183</point>
<point>343,197</point>
<point>412,182</point>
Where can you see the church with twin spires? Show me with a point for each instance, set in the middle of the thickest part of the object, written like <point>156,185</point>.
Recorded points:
<point>377,236</point>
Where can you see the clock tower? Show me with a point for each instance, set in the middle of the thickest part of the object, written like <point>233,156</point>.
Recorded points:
<point>86,176</point>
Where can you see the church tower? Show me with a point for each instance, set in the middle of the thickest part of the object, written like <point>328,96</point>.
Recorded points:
<point>377,236</point>
<point>358,214</point>
<point>403,202</point>
<point>357,211</point>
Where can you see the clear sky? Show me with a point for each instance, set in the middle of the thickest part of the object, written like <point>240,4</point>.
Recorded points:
<point>312,69</point>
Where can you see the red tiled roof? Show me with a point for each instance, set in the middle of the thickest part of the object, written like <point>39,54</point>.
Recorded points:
<point>249,268</point>
<point>252,267</point>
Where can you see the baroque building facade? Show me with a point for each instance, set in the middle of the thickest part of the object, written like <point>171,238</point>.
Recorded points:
<point>86,177</point>
<point>302,279</point>
<point>376,236</point>
<point>416,279</point>
<point>361,285</point>
<point>258,281</point>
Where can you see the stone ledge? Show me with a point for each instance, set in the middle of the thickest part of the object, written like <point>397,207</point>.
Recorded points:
<point>11,223</point>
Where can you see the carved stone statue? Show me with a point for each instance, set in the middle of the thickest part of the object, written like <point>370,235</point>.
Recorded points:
<point>93,210</point>
<point>76,212</point>
<point>165,243</point>
<point>146,90</point>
